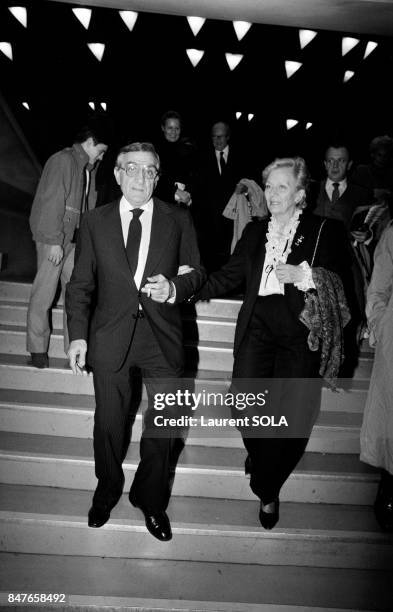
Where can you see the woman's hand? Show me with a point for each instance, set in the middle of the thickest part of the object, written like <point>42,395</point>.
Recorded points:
<point>289,274</point>
<point>183,196</point>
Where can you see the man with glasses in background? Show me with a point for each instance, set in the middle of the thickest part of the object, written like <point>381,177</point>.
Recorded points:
<point>127,259</point>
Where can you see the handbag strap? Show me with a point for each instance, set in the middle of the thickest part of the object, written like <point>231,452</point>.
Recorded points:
<point>317,242</point>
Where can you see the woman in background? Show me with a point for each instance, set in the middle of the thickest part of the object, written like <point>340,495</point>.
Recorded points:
<point>178,159</point>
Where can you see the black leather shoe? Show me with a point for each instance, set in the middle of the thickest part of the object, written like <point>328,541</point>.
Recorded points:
<point>157,523</point>
<point>269,519</point>
<point>98,516</point>
<point>39,360</point>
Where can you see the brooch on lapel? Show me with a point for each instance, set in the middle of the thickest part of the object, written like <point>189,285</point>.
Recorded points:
<point>299,240</point>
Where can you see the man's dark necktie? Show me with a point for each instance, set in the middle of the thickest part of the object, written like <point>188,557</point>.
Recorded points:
<point>223,163</point>
<point>134,239</point>
<point>335,193</point>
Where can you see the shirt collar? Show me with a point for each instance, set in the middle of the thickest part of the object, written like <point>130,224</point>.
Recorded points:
<point>125,205</point>
<point>341,184</point>
<point>79,150</point>
<point>225,151</point>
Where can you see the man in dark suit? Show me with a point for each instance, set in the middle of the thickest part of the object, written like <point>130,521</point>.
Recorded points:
<point>220,170</point>
<point>127,259</point>
<point>338,198</point>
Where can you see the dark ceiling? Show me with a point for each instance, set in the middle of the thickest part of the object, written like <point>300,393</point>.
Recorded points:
<point>145,72</point>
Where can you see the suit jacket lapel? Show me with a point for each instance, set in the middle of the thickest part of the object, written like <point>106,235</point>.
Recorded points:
<point>160,235</point>
<point>258,260</point>
<point>303,241</point>
<point>114,234</point>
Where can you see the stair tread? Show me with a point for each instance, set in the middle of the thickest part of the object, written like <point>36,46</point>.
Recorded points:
<point>187,316</point>
<point>194,457</point>
<point>70,402</point>
<point>46,398</point>
<point>188,585</point>
<point>200,513</point>
<point>205,344</point>
<point>59,363</point>
<point>202,345</point>
<point>219,376</point>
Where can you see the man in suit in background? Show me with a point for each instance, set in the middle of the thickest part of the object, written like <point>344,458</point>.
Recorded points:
<point>127,259</point>
<point>338,198</point>
<point>220,170</point>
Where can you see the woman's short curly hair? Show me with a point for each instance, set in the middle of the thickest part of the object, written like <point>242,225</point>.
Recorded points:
<point>300,172</point>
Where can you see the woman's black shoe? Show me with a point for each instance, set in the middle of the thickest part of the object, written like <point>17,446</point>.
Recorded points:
<point>247,465</point>
<point>269,519</point>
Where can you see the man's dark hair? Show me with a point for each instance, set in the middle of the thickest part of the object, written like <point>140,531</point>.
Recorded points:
<point>98,130</point>
<point>139,146</point>
<point>338,144</point>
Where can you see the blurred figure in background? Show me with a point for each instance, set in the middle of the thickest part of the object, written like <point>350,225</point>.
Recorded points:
<point>220,169</point>
<point>376,437</point>
<point>378,176</point>
<point>178,161</point>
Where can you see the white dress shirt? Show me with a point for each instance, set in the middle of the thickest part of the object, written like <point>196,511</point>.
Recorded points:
<point>145,219</point>
<point>218,155</point>
<point>342,185</point>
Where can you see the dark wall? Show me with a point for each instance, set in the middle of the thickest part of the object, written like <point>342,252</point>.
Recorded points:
<point>145,72</point>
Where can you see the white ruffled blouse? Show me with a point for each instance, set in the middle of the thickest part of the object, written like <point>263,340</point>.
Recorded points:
<point>278,247</point>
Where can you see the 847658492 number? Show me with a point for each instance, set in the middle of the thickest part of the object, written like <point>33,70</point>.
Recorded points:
<point>34,598</point>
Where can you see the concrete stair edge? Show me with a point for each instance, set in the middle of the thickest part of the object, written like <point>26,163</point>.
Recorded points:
<point>196,579</point>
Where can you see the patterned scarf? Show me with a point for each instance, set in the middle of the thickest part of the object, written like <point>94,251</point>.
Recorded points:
<point>326,313</point>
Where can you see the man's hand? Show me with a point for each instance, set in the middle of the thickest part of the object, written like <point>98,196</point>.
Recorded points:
<point>184,270</point>
<point>157,288</point>
<point>360,237</point>
<point>56,254</point>
<point>289,274</point>
<point>77,356</point>
<point>183,196</point>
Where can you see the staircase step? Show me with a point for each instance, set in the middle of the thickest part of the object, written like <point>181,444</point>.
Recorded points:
<point>217,329</point>
<point>15,373</point>
<point>40,520</point>
<point>208,471</point>
<point>185,586</point>
<point>206,355</point>
<point>15,292</point>
<point>195,327</point>
<point>60,414</point>
<point>225,308</point>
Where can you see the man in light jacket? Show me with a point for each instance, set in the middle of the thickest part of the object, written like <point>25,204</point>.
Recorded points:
<point>66,189</point>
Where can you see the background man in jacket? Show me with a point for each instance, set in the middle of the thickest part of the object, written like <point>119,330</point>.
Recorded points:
<point>65,191</point>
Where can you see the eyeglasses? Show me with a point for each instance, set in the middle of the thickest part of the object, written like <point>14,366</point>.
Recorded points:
<point>340,160</point>
<point>132,169</point>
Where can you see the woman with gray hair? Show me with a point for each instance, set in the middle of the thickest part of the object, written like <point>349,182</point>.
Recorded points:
<point>289,328</point>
